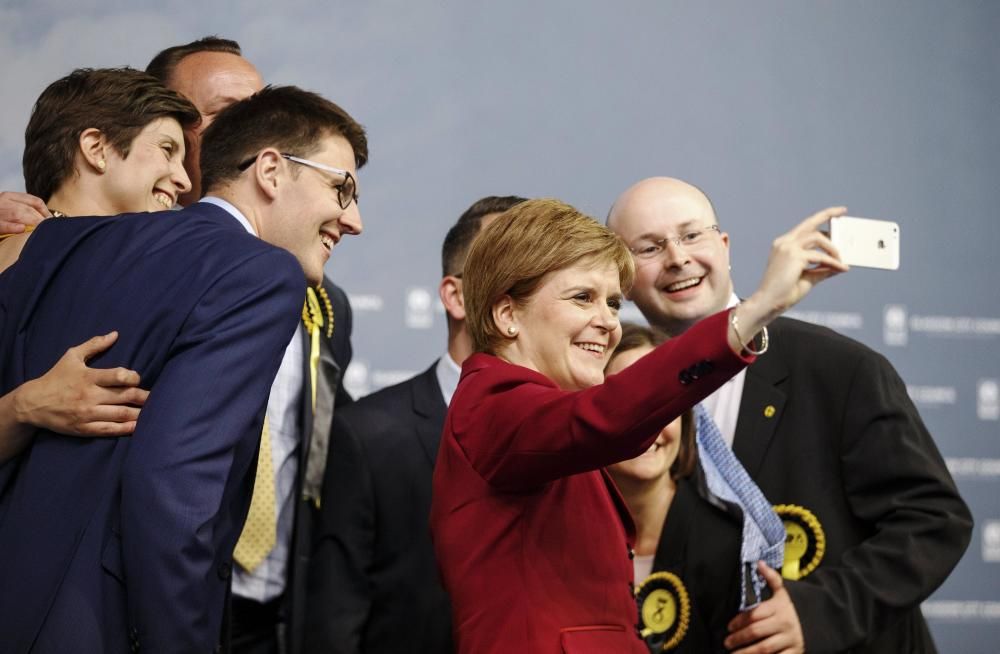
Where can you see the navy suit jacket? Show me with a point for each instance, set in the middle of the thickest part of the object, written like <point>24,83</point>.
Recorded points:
<point>112,544</point>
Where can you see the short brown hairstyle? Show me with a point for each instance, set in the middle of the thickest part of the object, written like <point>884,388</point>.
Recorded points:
<point>524,244</point>
<point>282,117</point>
<point>163,64</point>
<point>635,336</point>
<point>464,231</point>
<point>118,101</point>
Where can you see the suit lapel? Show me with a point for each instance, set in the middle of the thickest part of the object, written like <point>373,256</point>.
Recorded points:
<point>316,426</point>
<point>761,409</point>
<point>430,410</point>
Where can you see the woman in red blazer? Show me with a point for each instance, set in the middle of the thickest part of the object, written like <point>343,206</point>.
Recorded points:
<point>532,537</point>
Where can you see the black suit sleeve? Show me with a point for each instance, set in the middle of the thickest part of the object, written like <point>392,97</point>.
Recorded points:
<point>339,597</point>
<point>896,481</point>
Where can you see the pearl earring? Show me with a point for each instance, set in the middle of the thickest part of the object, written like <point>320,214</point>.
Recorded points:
<point>512,330</point>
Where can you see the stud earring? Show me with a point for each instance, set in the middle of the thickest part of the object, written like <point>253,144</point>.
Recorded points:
<point>101,165</point>
<point>512,330</point>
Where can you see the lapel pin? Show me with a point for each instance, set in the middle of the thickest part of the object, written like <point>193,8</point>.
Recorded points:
<point>769,411</point>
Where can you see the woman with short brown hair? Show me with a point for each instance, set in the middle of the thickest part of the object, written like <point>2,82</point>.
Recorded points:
<point>532,538</point>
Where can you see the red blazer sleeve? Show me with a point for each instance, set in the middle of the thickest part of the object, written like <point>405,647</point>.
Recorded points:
<point>518,429</point>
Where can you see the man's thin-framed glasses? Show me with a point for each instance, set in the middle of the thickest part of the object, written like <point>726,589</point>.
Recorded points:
<point>693,238</point>
<point>346,191</point>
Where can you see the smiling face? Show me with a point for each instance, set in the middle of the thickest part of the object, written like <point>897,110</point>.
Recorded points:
<point>655,462</point>
<point>568,328</point>
<point>211,81</point>
<point>682,285</point>
<point>308,220</point>
<point>152,176</point>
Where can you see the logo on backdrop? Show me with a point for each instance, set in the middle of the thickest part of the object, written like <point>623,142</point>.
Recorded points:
<point>419,308</point>
<point>991,541</point>
<point>932,396</point>
<point>357,379</point>
<point>894,330</point>
<point>988,399</point>
<point>365,302</point>
<point>835,320</point>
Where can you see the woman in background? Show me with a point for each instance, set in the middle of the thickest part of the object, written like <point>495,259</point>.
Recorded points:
<point>687,549</point>
<point>99,142</point>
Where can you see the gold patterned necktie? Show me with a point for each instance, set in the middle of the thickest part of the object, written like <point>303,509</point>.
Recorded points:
<point>260,533</point>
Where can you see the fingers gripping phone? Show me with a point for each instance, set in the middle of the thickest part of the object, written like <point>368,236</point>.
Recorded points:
<point>866,242</point>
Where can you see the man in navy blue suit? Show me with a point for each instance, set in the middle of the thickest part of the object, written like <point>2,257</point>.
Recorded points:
<point>111,545</point>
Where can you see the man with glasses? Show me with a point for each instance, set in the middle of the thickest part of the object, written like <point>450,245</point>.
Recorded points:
<point>268,605</point>
<point>825,427</point>
<point>115,545</point>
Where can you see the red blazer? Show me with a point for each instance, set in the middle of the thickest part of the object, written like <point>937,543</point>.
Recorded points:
<point>532,538</point>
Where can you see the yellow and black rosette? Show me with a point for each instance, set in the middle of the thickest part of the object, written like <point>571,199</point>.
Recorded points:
<point>664,610</point>
<point>805,542</point>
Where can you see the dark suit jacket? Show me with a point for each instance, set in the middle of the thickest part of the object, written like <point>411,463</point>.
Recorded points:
<point>111,544</point>
<point>374,584</point>
<point>335,356</point>
<point>530,533</point>
<point>700,543</point>
<point>847,444</point>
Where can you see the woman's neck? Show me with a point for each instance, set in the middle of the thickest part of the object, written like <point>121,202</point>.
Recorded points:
<point>73,199</point>
<point>649,502</point>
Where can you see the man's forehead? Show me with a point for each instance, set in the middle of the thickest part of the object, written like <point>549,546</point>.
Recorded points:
<point>212,63</point>
<point>210,76</point>
<point>661,218</point>
<point>334,150</point>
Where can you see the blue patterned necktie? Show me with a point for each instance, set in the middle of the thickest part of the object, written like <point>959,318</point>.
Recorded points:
<point>727,479</point>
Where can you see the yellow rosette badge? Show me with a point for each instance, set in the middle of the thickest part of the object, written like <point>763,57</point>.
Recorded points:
<point>664,610</point>
<point>805,542</point>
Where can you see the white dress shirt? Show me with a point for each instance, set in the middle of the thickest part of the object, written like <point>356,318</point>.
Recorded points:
<point>724,404</point>
<point>448,373</point>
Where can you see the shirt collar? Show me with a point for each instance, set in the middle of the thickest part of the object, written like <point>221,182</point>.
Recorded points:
<point>233,211</point>
<point>448,373</point>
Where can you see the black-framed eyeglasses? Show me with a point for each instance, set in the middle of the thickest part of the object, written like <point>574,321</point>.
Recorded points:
<point>346,190</point>
<point>650,248</point>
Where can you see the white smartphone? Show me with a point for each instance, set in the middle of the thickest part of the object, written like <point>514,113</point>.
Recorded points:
<point>866,242</point>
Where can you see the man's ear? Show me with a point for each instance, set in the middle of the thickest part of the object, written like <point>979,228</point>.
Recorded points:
<point>268,172</point>
<point>450,292</point>
<point>93,149</point>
